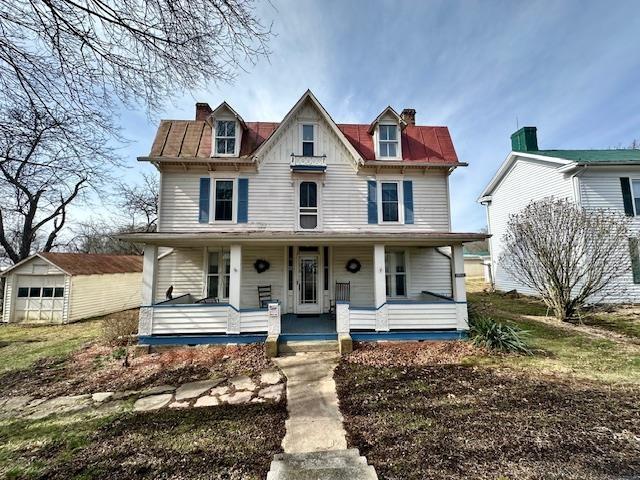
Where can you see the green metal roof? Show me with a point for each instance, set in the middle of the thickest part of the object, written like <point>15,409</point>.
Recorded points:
<point>593,156</point>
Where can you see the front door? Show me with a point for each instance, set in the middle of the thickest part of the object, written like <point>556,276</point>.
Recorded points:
<point>308,283</point>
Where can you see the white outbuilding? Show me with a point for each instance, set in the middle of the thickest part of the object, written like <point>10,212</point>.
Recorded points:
<point>57,288</point>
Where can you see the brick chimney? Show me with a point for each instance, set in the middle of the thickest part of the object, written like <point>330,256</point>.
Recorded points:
<point>409,116</point>
<point>203,110</point>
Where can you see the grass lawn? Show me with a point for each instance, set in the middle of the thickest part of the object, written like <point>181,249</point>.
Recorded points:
<point>22,346</point>
<point>570,410</point>
<point>223,442</point>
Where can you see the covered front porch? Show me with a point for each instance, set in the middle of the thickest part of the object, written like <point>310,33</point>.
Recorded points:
<point>320,288</point>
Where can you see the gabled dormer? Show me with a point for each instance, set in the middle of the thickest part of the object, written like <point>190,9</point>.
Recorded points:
<point>386,130</point>
<point>227,129</point>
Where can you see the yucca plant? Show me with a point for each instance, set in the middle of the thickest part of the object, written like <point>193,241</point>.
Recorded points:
<point>492,335</point>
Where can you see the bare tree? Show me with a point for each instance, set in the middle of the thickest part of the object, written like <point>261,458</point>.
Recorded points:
<point>46,162</point>
<point>76,54</point>
<point>138,202</point>
<point>68,66</point>
<point>567,254</point>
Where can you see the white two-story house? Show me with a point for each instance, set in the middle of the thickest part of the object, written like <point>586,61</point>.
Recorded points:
<point>302,229</point>
<point>607,179</point>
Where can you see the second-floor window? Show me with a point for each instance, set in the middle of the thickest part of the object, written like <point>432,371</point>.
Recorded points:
<point>390,202</point>
<point>308,140</point>
<point>308,205</point>
<point>225,137</point>
<point>223,200</point>
<point>388,141</point>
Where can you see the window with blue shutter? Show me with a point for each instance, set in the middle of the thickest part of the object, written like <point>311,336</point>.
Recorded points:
<point>372,208</point>
<point>205,191</point>
<point>407,188</point>
<point>243,200</point>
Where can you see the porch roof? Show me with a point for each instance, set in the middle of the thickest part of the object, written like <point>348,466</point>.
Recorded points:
<point>407,237</point>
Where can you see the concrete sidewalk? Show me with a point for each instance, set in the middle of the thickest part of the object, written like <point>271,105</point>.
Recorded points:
<point>315,422</point>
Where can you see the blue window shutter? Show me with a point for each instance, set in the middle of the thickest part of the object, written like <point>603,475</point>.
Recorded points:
<point>407,189</point>
<point>205,190</point>
<point>243,200</point>
<point>372,208</point>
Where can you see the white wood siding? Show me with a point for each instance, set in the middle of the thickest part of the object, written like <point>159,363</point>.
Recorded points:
<point>526,181</point>
<point>362,281</point>
<point>410,316</point>
<point>428,270</point>
<point>190,319</point>
<point>250,279</point>
<point>362,319</point>
<point>184,269</point>
<point>254,321</point>
<point>272,194</point>
<point>8,296</point>
<point>600,188</point>
<point>93,295</point>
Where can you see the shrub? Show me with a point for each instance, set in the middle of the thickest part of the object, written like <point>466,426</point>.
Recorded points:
<point>486,332</point>
<point>117,329</point>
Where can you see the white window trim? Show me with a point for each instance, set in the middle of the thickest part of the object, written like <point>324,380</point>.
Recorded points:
<point>377,142</point>
<point>633,195</point>
<point>315,137</point>
<point>394,274</point>
<point>234,200</point>
<point>238,137</point>
<point>319,184</point>
<point>220,251</point>
<point>400,201</point>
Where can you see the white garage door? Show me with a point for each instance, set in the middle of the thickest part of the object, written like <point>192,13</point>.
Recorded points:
<point>39,298</point>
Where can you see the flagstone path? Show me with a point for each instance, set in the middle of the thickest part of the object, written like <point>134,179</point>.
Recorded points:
<point>267,387</point>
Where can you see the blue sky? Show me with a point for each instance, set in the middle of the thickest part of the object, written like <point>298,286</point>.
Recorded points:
<point>571,68</point>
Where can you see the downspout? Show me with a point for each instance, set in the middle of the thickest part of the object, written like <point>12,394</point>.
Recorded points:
<point>575,183</point>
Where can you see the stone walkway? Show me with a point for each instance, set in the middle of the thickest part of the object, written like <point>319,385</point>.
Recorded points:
<point>315,422</point>
<point>268,386</point>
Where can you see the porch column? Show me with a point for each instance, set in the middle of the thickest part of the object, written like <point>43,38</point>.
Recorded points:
<point>459,288</point>
<point>380,288</point>
<point>149,278</point>
<point>235,265</point>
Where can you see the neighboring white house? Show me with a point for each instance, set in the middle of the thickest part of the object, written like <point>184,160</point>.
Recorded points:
<point>591,178</point>
<point>338,224</point>
<point>66,287</point>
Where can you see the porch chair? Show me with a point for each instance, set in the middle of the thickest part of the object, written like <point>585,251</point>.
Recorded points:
<point>264,295</point>
<point>342,293</point>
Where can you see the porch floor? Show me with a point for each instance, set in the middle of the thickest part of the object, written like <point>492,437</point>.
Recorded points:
<point>303,324</point>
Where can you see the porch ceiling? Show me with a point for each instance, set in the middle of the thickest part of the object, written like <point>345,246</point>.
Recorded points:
<point>407,237</point>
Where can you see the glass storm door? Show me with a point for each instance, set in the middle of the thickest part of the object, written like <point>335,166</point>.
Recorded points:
<point>308,284</point>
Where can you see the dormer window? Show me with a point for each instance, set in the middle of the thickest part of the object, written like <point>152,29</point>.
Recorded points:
<point>308,136</point>
<point>225,140</point>
<point>388,141</point>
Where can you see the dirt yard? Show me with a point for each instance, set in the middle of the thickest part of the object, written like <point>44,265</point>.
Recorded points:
<point>447,420</point>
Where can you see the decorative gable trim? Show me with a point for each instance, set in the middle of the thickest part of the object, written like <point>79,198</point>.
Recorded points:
<point>225,105</point>
<point>393,113</point>
<point>257,155</point>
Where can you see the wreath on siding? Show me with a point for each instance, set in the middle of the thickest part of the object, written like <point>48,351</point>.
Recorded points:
<point>354,265</point>
<point>261,266</point>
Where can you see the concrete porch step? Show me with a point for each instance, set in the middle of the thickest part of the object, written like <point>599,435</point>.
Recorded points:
<point>328,465</point>
<point>299,346</point>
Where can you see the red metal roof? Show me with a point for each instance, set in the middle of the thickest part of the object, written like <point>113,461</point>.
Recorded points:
<point>192,139</point>
<point>93,264</point>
